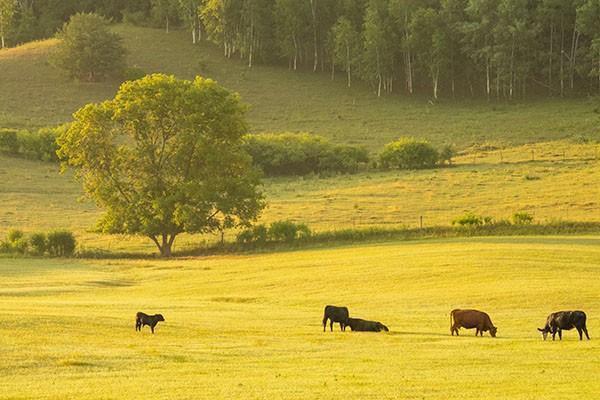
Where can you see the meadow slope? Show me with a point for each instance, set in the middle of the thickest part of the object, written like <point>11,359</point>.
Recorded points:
<point>34,94</point>
<point>249,326</point>
<point>563,183</point>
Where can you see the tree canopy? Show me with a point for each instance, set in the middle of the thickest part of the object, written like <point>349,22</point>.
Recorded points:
<point>88,50</point>
<point>164,157</point>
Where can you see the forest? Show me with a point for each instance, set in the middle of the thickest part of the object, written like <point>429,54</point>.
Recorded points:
<point>494,49</point>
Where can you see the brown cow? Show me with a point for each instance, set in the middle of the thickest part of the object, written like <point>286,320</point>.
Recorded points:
<point>470,319</point>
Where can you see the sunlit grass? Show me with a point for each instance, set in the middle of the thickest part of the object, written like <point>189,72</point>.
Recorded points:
<point>35,94</point>
<point>249,327</point>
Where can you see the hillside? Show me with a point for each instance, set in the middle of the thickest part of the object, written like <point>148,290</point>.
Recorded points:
<point>562,183</point>
<point>34,95</point>
<point>250,326</point>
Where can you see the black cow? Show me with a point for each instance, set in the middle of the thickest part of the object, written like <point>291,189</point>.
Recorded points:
<point>361,325</point>
<point>335,314</point>
<point>566,320</point>
<point>142,319</point>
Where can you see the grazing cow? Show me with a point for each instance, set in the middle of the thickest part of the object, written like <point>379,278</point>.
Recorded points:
<point>142,319</point>
<point>361,325</point>
<point>470,319</point>
<point>566,320</point>
<point>335,314</point>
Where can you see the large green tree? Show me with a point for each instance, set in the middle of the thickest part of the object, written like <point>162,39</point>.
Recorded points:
<point>164,157</point>
<point>88,50</point>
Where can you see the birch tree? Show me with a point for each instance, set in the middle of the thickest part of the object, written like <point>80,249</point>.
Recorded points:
<point>7,10</point>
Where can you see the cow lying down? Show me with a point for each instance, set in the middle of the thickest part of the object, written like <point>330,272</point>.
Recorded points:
<point>142,319</point>
<point>361,325</point>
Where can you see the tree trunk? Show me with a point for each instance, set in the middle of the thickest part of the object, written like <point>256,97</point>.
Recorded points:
<point>167,23</point>
<point>574,45</point>
<point>165,246</point>
<point>313,9</point>
<point>550,58</point>
<point>487,78</point>
<point>562,56</point>
<point>2,40</point>
<point>348,63</point>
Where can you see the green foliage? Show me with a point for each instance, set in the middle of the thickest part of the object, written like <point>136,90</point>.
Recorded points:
<point>472,220</point>
<point>15,235</point>
<point>522,218</point>
<point>38,243</point>
<point>408,153</point>
<point>40,145</point>
<point>9,141</point>
<point>446,154</point>
<point>277,232</point>
<point>165,157</point>
<point>301,154</point>
<point>61,243</point>
<point>288,231</point>
<point>56,244</point>
<point>88,50</point>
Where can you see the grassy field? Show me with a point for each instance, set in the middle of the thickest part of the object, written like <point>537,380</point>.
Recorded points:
<point>563,183</point>
<point>249,326</point>
<point>34,94</point>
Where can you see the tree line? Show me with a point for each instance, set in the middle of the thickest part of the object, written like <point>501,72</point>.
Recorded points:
<point>501,49</point>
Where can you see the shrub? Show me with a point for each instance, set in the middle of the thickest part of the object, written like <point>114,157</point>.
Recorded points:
<point>288,231</point>
<point>446,155</point>
<point>257,234</point>
<point>38,243</point>
<point>61,243</point>
<point>40,145</point>
<point>302,154</point>
<point>88,50</point>
<point>14,235</point>
<point>472,220</point>
<point>408,153</point>
<point>522,218</point>
<point>9,141</point>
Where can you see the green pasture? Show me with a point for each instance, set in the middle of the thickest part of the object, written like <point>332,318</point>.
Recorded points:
<point>561,183</point>
<point>34,94</point>
<point>249,326</point>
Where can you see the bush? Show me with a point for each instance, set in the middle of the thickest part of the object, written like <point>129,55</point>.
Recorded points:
<point>38,243</point>
<point>9,141</point>
<point>302,154</point>
<point>88,50</point>
<point>61,243</point>
<point>40,145</point>
<point>408,153</point>
<point>278,231</point>
<point>522,218</point>
<point>472,220</point>
<point>446,155</point>
<point>14,235</point>
<point>257,234</point>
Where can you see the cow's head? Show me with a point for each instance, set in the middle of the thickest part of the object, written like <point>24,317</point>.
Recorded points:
<point>493,331</point>
<point>159,317</point>
<point>544,331</point>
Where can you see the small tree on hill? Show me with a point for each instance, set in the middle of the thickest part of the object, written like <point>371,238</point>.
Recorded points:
<point>165,157</point>
<point>88,50</point>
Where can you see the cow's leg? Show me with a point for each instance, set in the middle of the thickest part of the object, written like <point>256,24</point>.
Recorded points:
<point>580,331</point>
<point>152,328</point>
<point>476,331</point>
<point>586,333</point>
<point>341,327</point>
<point>560,334</point>
<point>331,325</point>
<point>324,323</point>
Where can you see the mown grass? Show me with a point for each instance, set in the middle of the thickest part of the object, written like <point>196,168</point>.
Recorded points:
<point>34,95</point>
<point>249,326</point>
